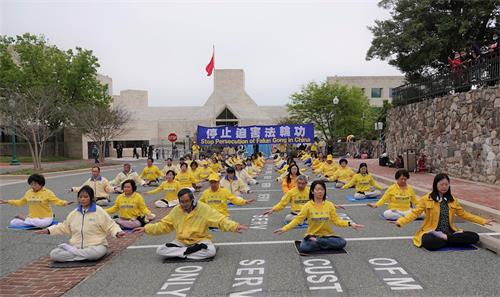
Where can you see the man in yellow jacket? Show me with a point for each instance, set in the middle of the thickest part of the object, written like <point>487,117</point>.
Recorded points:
<point>297,196</point>
<point>151,174</point>
<point>190,221</point>
<point>101,186</point>
<point>217,197</point>
<point>329,167</point>
<point>343,175</point>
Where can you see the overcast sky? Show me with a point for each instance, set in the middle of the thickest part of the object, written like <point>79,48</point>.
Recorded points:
<point>163,46</point>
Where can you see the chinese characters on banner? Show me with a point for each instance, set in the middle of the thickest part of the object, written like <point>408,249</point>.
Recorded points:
<point>243,135</point>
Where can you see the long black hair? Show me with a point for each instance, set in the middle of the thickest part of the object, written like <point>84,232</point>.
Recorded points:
<point>313,185</point>
<point>289,175</point>
<point>435,193</point>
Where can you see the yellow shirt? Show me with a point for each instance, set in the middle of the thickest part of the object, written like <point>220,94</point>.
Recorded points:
<point>398,199</point>
<point>204,173</point>
<point>251,171</point>
<point>151,173</point>
<point>318,219</point>
<point>296,197</point>
<point>39,203</point>
<point>122,176</point>
<point>87,230</point>
<point>218,200</point>
<point>432,209</point>
<point>195,173</point>
<point>362,182</point>
<point>195,148</point>
<point>191,228</point>
<point>170,188</point>
<point>314,147</point>
<point>130,207</point>
<point>186,179</point>
<point>216,167</point>
<point>342,175</point>
<point>329,169</point>
<point>285,186</point>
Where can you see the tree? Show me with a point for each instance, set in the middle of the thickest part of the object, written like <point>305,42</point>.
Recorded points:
<point>40,75</point>
<point>421,34</point>
<point>314,104</point>
<point>100,123</point>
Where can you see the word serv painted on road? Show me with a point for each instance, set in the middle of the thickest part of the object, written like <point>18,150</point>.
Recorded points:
<point>321,278</point>
<point>249,279</point>
<point>180,281</point>
<point>394,276</point>
<point>244,135</point>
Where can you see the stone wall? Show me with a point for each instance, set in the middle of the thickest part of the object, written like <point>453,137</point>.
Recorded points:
<point>458,133</point>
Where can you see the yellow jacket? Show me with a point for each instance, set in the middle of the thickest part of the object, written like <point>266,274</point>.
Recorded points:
<point>186,179</point>
<point>216,167</point>
<point>151,173</point>
<point>171,167</point>
<point>283,169</point>
<point>317,167</point>
<point>342,175</point>
<point>195,174</point>
<point>38,203</point>
<point>218,200</point>
<point>122,176</point>
<point>236,186</point>
<point>195,148</point>
<point>432,210</point>
<point>101,187</point>
<point>129,208</point>
<point>362,182</point>
<point>244,177</point>
<point>285,186</point>
<point>87,229</point>
<point>318,219</point>
<point>329,169</point>
<point>191,228</point>
<point>296,197</point>
<point>398,199</point>
<point>170,188</point>
<point>251,171</point>
<point>204,173</point>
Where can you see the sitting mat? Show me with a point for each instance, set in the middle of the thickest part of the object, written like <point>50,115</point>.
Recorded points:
<point>468,247</point>
<point>320,252</point>
<point>303,225</point>
<point>181,260</point>
<point>350,198</point>
<point>72,264</point>
<point>54,222</point>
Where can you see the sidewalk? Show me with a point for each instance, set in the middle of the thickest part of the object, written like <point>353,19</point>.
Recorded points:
<point>483,194</point>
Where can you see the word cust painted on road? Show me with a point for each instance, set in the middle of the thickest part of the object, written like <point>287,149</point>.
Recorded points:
<point>244,135</point>
<point>321,278</point>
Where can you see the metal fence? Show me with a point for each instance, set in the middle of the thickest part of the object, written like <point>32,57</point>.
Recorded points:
<point>472,75</point>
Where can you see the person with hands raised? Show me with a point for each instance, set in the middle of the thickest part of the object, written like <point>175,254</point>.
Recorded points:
<point>319,214</point>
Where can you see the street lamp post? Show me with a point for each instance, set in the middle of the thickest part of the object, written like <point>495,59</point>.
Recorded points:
<point>335,102</point>
<point>363,130</point>
<point>14,160</point>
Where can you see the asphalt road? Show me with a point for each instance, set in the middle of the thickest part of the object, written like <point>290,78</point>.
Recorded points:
<point>381,259</point>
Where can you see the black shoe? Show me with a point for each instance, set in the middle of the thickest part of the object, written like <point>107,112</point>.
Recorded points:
<point>169,244</point>
<point>194,248</point>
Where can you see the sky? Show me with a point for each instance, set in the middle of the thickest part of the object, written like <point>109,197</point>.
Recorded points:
<point>164,46</point>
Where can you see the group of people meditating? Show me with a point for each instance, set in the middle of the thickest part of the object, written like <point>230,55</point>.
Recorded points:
<point>192,218</point>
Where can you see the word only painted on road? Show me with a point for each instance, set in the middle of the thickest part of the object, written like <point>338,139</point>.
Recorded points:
<point>263,197</point>
<point>321,278</point>
<point>180,281</point>
<point>391,272</point>
<point>249,279</point>
<point>266,185</point>
<point>259,222</point>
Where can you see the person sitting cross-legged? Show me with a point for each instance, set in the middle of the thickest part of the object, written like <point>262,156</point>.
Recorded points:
<point>319,214</point>
<point>190,221</point>
<point>87,225</point>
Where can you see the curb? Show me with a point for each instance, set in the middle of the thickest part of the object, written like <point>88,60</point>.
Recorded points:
<point>54,173</point>
<point>486,242</point>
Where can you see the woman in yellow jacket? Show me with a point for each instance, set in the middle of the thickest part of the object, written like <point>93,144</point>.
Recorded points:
<point>171,187</point>
<point>363,182</point>
<point>215,165</point>
<point>39,200</point>
<point>400,197</point>
<point>297,197</point>
<point>185,177</point>
<point>343,175</point>
<point>290,181</point>
<point>204,171</point>
<point>319,214</point>
<point>131,208</point>
<point>190,221</point>
<point>88,226</point>
<point>440,207</point>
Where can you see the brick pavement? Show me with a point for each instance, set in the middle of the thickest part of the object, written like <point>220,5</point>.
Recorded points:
<point>36,279</point>
<point>483,194</point>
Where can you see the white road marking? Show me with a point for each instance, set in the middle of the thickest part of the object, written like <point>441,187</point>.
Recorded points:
<point>133,247</point>
<point>258,208</point>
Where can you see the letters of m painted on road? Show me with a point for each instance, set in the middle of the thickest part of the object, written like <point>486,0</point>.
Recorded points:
<point>393,274</point>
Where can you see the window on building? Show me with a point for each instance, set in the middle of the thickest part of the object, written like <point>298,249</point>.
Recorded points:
<point>226,118</point>
<point>391,92</point>
<point>376,92</point>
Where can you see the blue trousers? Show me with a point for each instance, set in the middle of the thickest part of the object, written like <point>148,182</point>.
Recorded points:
<point>322,243</point>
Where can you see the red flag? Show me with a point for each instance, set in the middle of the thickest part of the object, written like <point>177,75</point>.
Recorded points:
<point>210,66</point>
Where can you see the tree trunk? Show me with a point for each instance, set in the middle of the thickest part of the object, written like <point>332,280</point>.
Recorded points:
<point>37,164</point>
<point>102,147</point>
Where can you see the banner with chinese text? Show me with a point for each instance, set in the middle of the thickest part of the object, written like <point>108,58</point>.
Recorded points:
<point>243,135</point>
